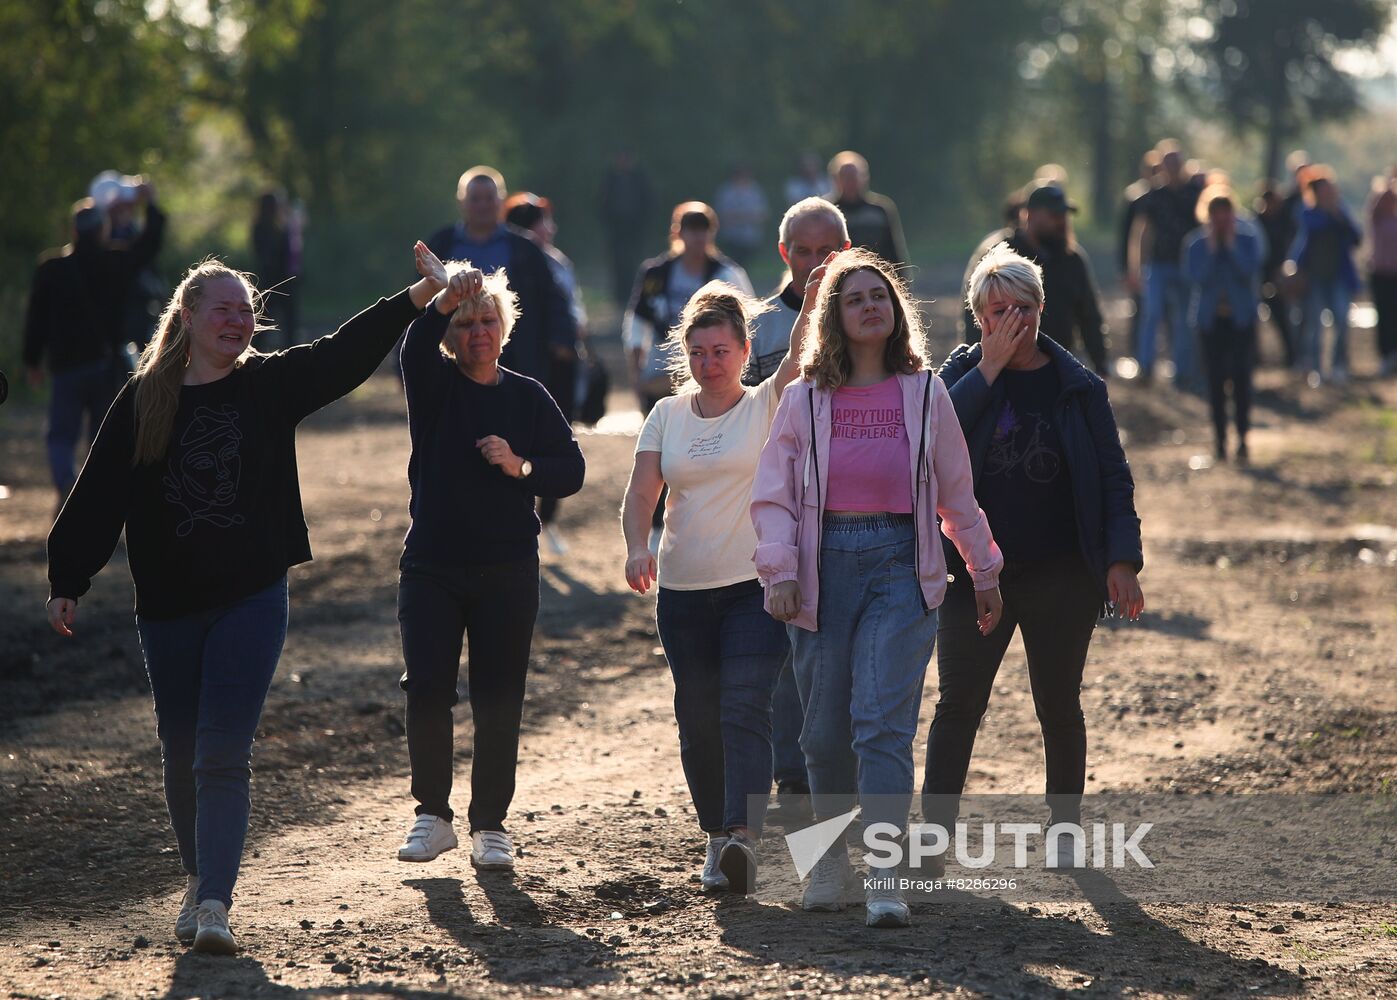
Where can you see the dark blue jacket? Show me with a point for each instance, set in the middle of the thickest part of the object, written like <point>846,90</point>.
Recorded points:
<point>545,312</point>
<point>1102,486</point>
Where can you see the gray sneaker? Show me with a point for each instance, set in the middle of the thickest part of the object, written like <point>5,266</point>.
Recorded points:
<point>829,882</point>
<point>187,923</point>
<point>713,878</point>
<point>885,903</point>
<point>214,937</point>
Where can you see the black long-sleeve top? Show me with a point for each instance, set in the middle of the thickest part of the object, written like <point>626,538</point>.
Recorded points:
<point>77,302</point>
<point>220,517</point>
<point>466,512</point>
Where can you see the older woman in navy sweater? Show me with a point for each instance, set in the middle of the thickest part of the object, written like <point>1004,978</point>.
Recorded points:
<point>486,442</point>
<point>1052,478</point>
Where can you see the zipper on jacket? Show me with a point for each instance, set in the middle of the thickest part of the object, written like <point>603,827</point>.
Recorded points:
<point>813,456</point>
<point>916,494</point>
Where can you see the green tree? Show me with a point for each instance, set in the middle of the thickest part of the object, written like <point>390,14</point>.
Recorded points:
<point>1271,63</point>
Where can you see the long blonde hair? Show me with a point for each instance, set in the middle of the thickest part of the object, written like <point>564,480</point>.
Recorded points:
<point>717,303</point>
<point>160,371</point>
<point>825,358</point>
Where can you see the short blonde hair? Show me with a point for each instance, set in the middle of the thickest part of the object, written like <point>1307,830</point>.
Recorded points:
<point>474,174</point>
<point>494,293</point>
<point>1008,273</point>
<point>808,208</point>
<point>846,158</point>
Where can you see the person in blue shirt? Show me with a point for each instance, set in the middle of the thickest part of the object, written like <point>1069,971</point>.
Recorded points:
<point>1323,258</point>
<point>546,332</point>
<point>1222,261</point>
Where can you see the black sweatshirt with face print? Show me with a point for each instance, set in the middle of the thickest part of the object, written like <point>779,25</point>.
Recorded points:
<point>219,517</point>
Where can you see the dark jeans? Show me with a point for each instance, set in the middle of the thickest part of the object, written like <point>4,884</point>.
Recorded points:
<point>88,392</point>
<point>787,720</point>
<point>209,674</point>
<point>493,609</point>
<point>1385,302</point>
<point>1055,604</point>
<point>1229,353</point>
<point>1283,318</point>
<point>724,651</point>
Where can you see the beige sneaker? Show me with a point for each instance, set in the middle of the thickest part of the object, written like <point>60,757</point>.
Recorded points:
<point>187,923</point>
<point>214,937</point>
<point>829,882</point>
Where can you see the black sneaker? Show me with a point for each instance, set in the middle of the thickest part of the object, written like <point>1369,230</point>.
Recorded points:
<point>793,802</point>
<point>738,861</point>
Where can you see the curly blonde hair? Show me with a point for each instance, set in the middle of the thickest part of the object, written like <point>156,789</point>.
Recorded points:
<point>825,359</point>
<point>715,304</point>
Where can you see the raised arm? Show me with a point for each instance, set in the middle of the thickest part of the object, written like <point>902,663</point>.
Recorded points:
<point>318,373</point>
<point>790,365</point>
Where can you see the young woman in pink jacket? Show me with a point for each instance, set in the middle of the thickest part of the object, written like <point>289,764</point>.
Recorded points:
<point>865,453</point>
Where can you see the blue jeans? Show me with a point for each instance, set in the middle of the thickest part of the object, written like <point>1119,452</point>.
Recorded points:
<point>860,676</point>
<point>1166,290</point>
<point>788,760</point>
<point>1334,296</point>
<point>88,392</point>
<point>209,673</point>
<point>724,651</point>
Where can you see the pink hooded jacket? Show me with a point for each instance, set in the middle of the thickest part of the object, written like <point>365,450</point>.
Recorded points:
<point>788,493</point>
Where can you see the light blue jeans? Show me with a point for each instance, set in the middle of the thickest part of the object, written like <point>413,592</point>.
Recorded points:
<point>1334,296</point>
<point>1166,291</point>
<point>860,676</point>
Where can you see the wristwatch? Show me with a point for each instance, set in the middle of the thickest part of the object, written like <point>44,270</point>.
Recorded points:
<point>526,469</point>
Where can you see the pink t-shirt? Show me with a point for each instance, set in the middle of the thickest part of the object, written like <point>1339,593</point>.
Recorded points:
<point>870,467</point>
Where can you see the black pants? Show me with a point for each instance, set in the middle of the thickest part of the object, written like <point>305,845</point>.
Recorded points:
<point>1229,354</point>
<point>1385,302</point>
<point>1282,318</point>
<point>1055,604</point>
<point>493,608</point>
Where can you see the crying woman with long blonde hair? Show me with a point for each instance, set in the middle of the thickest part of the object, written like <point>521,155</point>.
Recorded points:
<point>196,462</point>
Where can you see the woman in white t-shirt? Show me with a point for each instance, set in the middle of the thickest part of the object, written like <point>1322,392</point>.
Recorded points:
<point>724,650</point>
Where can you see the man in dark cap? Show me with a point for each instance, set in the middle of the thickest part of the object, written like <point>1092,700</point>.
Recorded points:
<point>1071,300</point>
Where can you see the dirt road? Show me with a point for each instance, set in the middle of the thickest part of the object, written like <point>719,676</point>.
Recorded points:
<point>1265,663</point>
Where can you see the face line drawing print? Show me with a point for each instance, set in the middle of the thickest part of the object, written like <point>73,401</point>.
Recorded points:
<point>204,471</point>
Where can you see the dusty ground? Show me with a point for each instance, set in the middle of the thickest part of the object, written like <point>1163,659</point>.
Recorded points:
<point>1265,663</point>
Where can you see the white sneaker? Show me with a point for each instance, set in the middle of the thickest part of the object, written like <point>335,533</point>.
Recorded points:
<point>214,937</point>
<point>187,923</point>
<point>492,850</point>
<point>886,905</point>
<point>713,878</point>
<point>556,545</point>
<point>429,837</point>
<point>828,881</point>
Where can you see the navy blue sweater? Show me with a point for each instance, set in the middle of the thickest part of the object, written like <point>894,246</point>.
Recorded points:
<point>1102,486</point>
<point>466,512</point>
